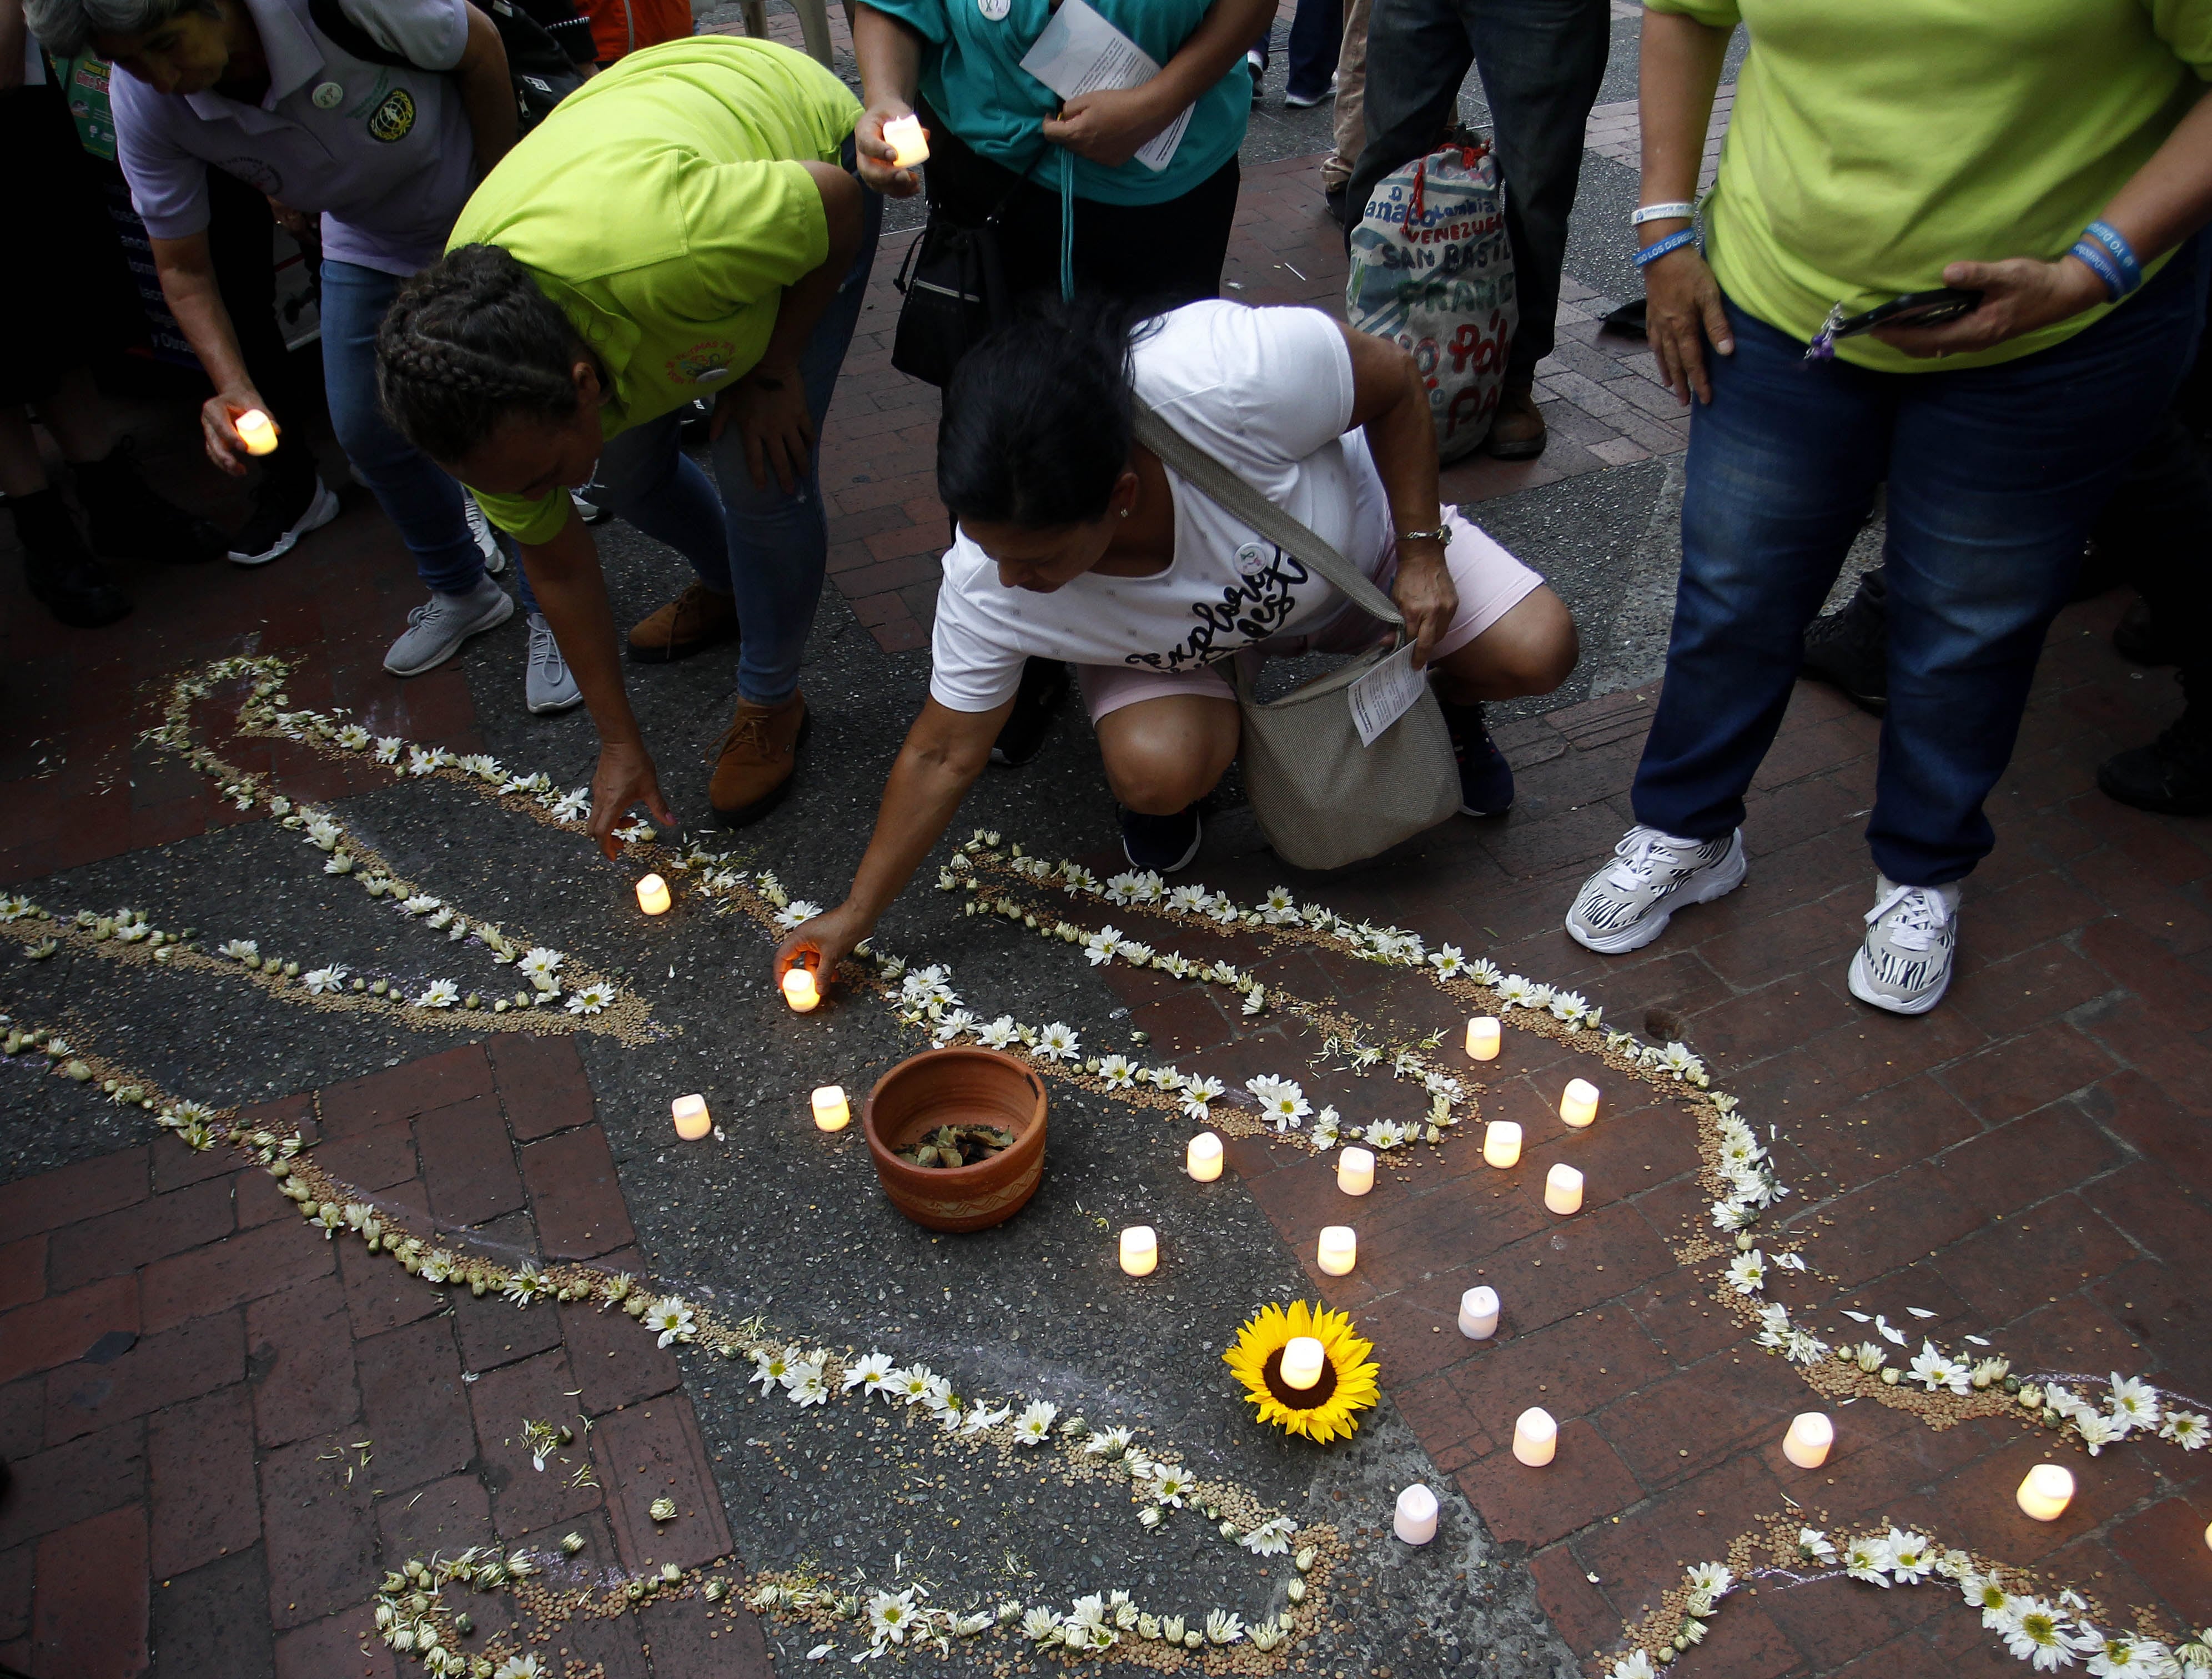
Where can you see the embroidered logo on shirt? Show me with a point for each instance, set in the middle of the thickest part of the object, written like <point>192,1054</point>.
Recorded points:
<point>1250,612</point>
<point>703,363</point>
<point>393,117</point>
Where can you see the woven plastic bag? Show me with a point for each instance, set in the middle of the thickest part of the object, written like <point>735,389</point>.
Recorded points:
<point>1431,270</point>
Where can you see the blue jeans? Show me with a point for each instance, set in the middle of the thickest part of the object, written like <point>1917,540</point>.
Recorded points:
<point>1996,475</point>
<point>768,548</point>
<point>1316,38</point>
<point>415,493</point>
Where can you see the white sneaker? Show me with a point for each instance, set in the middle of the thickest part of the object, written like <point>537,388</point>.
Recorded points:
<point>1628,903</point>
<point>494,557</point>
<point>1912,931</point>
<point>548,685</point>
<point>436,628</point>
<point>586,509</point>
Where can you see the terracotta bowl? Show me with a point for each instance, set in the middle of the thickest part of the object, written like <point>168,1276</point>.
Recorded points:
<point>958,1086</point>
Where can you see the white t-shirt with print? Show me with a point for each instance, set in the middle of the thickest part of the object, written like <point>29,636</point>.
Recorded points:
<point>1268,394</point>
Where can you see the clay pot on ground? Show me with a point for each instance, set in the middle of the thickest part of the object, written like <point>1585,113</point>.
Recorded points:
<point>958,1086</point>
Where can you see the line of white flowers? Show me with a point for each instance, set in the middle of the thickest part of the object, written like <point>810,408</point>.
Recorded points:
<point>2047,1633</point>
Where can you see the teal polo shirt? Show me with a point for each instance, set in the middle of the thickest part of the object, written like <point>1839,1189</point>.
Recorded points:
<point>972,77</point>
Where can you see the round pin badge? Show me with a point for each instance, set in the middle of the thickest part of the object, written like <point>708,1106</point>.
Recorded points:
<point>996,10</point>
<point>327,95</point>
<point>1251,556</point>
<point>711,376</point>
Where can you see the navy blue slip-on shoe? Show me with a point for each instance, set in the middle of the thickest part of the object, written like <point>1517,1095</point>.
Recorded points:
<point>1486,780</point>
<point>1161,843</point>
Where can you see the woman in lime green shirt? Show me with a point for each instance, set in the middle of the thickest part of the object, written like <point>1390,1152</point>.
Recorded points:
<point>686,224</point>
<point>2052,160</point>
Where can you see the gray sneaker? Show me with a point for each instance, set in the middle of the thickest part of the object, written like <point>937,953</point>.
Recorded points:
<point>1912,931</point>
<point>548,685</point>
<point>487,539</point>
<point>436,628</point>
<point>1628,903</point>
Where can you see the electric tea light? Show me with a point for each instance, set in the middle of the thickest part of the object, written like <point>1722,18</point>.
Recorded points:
<point>799,990</point>
<point>2047,1491</point>
<point>653,895</point>
<point>693,1121</point>
<point>1478,1313</point>
<point>1339,1250</point>
<point>909,145</point>
<point>1806,1442</point>
<point>1535,1437</point>
<point>1416,1520</point>
<point>1355,1171</point>
<point>1501,1143</point>
<point>1202,1159</point>
<point>1578,1103</point>
<point>257,431</point>
<point>1140,1249</point>
<point>1563,1189</point>
<point>1303,1358</point>
<point>832,1112</point>
<point>1483,1037</point>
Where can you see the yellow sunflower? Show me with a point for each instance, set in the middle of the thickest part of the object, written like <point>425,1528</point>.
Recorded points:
<point>1323,1411</point>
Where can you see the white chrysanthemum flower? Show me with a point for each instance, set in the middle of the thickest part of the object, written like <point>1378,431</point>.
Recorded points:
<point>591,999</point>
<point>1117,1073</point>
<point>1711,1578</point>
<point>1634,1665</point>
<point>1099,947</point>
<point>1198,1095</point>
<point>954,1023</point>
<point>320,980</point>
<point>1933,1369</point>
<point>442,994</point>
<point>671,1320</point>
<point>911,1384</point>
<point>871,1373</point>
<point>1224,1627</point>
<point>1804,1346</point>
<point>1449,962</point>
<point>1033,1425</point>
<point>1747,1271</point>
<point>998,1034</point>
<point>1816,1543</point>
<point>1912,1558</point>
<point>2099,1431</point>
<point>540,963</point>
<point>1172,1484</point>
<point>770,1368</point>
<point>1270,1538</point>
<point>1188,900</point>
<point>1058,1041</point>
<point>1867,1559</point>
<point>1988,1595</point>
<point>573,806</point>
<point>1281,1100</point>
<point>799,910</point>
<point>2126,1656</point>
<point>937,1395</point>
<point>1108,1443</point>
<point>1569,1006</point>
<point>517,1667</point>
<point>2186,1429</point>
<point>804,1382</point>
<point>2135,1402</point>
<point>2034,1632</point>
<point>1385,1134</point>
<point>983,1417</point>
<point>238,949</point>
<point>1040,1625</point>
<point>892,1615</point>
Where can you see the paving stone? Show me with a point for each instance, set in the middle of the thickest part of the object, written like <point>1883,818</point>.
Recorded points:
<point>213,1619</point>
<point>401,1092</point>
<point>653,1450</point>
<point>124,1241</point>
<point>242,1267</point>
<point>468,1162</point>
<point>61,1328</point>
<point>63,1196</point>
<point>371,1157</point>
<point>299,1362</point>
<point>90,1615</point>
<point>178,1364</point>
<point>575,1196</point>
<point>380,1293</point>
<point>200,1463</point>
<point>692,1638</point>
<point>449,1516</point>
<point>18,1574</point>
<point>527,1499</point>
<point>22,1271</point>
<point>1585,1481</point>
<point>321,1535</point>
<point>413,1406</point>
<point>72,1482</point>
<point>616,1362</point>
<point>493,1331</point>
<point>541,1082</point>
<point>339,1646</point>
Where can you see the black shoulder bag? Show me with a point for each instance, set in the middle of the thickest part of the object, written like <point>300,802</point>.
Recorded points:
<point>541,73</point>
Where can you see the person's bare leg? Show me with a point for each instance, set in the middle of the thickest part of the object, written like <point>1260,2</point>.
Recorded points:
<point>78,418</point>
<point>1531,650</point>
<point>21,471</point>
<point>1165,755</point>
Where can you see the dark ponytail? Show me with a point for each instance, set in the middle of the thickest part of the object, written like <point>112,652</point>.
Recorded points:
<point>1036,424</point>
<point>467,341</point>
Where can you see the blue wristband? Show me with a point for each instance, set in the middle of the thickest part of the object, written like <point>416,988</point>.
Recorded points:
<point>2123,254</point>
<point>2099,261</point>
<point>1659,247</point>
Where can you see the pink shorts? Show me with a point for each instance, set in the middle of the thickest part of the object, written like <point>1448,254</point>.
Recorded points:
<point>1491,583</point>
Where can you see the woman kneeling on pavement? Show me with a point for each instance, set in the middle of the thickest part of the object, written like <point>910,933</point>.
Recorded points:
<point>1076,542</point>
<point>681,226</point>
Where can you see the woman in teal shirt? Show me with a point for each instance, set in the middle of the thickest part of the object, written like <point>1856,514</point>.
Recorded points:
<point>1001,142</point>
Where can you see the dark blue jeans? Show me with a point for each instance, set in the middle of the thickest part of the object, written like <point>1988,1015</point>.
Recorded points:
<point>1541,62</point>
<point>1996,475</point>
<point>1316,38</point>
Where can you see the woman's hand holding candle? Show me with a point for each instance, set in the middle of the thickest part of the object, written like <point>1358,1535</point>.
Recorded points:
<point>227,443</point>
<point>879,158</point>
<point>820,944</point>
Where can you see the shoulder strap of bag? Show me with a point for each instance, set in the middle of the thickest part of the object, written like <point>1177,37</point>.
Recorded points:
<point>354,40</point>
<point>1230,492</point>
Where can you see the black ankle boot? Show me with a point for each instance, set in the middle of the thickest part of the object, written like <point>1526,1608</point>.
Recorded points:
<point>1849,648</point>
<point>59,569</point>
<point>2139,637</point>
<point>2172,776</point>
<point>128,520</point>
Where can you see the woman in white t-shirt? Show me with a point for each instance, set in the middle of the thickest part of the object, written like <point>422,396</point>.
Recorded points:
<point>1076,543</point>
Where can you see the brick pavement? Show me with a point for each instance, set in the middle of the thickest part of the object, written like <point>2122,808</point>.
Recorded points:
<point>2029,1163</point>
<point>225,1427</point>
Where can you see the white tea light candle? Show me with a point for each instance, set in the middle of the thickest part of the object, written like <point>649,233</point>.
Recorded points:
<point>1302,1358</point>
<point>1535,1437</point>
<point>1478,1313</point>
<point>1501,1143</point>
<point>1140,1249</point>
<point>1202,1159</point>
<point>1339,1250</point>
<point>1355,1171</point>
<point>2047,1491</point>
<point>1810,1436</point>
<point>1563,1189</point>
<point>1578,1103</point>
<point>832,1112</point>
<point>1484,1035</point>
<point>1416,1520</point>
<point>693,1121</point>
<point>653,895</point>
<point>799,990</point>
<point>257,431</point>
<point>904,135</point>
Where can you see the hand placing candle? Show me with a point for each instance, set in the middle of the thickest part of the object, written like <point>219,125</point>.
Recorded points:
<point>653,895</point>
<point>1810,1436</point>
<point>1339,1250</point>
<point>1535,1437</point>
<point>2047,1491</point>
<point>832,1112</point>
<point>1501,1143</point>
<point>910,145</point>
<point>1303,1358</point>
<point>798,988</point>
<point>1478,1313</point>
<point>257,431</point>
<point>693,1121</point>
<point>1484,1035</point>
<point>1140,1249</point>
<point>1416,1520</point>
<point>1562,1190</point>
<point>1202,1159</point>
<point>1355,1171</point>
<point>1578,1103</point>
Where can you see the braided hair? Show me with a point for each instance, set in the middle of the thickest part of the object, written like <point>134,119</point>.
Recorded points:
<point>468,341</point>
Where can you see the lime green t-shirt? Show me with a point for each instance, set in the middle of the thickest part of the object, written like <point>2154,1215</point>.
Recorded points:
<point>1875,142</point>
<point>664,206</point>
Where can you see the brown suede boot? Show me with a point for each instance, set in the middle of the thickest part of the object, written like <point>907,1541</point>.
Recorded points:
<point>1516,429</point>
<point>695,621</point>
<point>755,759</point>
